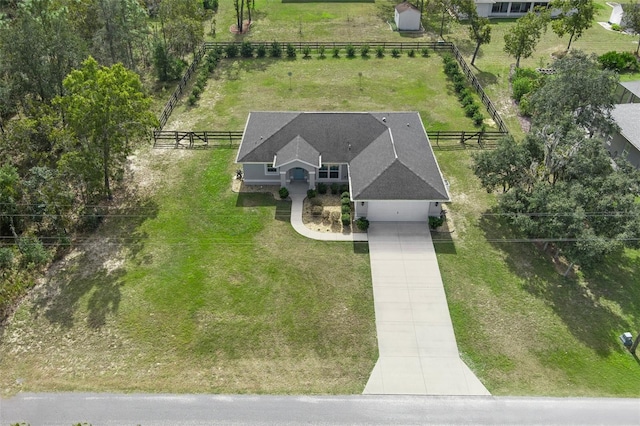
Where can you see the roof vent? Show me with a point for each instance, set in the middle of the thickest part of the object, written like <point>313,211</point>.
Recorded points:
<point>407,124</point>
<point>384,119</point>
<point>349,147</point>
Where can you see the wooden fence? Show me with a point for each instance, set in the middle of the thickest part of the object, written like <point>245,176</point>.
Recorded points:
<point>329,45</point>
<point>449,140</point>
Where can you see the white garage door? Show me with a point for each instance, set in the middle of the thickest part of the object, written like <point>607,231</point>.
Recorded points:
<point>398,211</point>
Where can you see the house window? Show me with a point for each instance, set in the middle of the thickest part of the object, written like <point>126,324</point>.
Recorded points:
<point>501,7</point>
<point>540,5</point>
<point>520,7</point>
<point>270,170</point>
<point>329,171</point>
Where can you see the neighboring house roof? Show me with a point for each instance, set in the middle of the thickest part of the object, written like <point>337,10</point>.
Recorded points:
<point>627,116</point>
<point>632,86</point>
<point>389,154</point>
<point>405,5</point>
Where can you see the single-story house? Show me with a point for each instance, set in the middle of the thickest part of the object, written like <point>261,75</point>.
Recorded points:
<point>407,17</point>
<point>385,158</point>
<point>628,92</point>
<point>507,9</point>
<point>626,143</point>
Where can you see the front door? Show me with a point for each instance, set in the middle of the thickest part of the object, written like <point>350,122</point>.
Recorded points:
<point>298,173</point>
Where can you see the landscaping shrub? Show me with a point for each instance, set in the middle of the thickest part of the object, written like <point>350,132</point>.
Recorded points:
<point>192,99</point>
<point>411,53</point>
<point>362,223</point>
<point>471,109</point>
<point>321,52</point>
<point>459,83</point>
<point>344,194</point>
<point>619,61</point>
<point>311,193</point>
<point>520,87</point>
<point>276,50</point>
<point>231,50</point>
<point>317,210</point>
<point>322,188</point>
<point>196,91</point>
<point>345,208</point>
<point>306,52</point>
<point>525,106</point>
<point>315,201</point>
<point>435,221</point>
<point>380,52</point>
<point>261,51</point>
<point>345,201</point>
<point>335,217</point>
<point>364,51</point>
<point>291,51</point>
<point>335,188</point>
<point>326,214</point>
<point>451,67</point>
<point>616,27</point>
<point>425,52</point>
<point>467,100</point>
<point>336,52</point>
<point>395,53</point>
<point>246,49</point>
<point>346,219</point>
<point>284,192</point>
<point>478,118</point>
<point>529,73</point>
<point>351,51</point>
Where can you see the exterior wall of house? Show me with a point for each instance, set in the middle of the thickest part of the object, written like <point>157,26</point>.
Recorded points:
<point>625,96</point>
<point>397,211</point>
<point>509,9</point>
<point>254,174</point>
<point>620,147</point>
<point>409,20</point>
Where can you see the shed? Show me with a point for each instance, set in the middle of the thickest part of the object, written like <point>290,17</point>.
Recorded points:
<point>407,17</point>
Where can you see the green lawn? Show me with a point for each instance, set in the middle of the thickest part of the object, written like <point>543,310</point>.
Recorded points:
<point>211,292</point>
<point>331,84</point>
<point>522,327</point>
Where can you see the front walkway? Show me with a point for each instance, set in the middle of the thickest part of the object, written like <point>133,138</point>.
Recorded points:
<point>417,345</point>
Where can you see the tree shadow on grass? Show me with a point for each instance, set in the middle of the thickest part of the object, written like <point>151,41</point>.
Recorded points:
<point>579,306</point>
<point>443,243</point>
<point>264,199</point>
<point>95,267</point>
<point>486,78</point>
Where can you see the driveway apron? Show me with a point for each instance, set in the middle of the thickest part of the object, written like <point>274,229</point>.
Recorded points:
<point>418,353</point>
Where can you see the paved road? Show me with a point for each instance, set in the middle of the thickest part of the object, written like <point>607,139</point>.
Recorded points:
<point>112,409</point>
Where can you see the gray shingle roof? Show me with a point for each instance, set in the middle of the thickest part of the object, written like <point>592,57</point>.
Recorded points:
<point>627,116</point>
<point>297,149</point>
<point>405,5</point>
<point>389,154</point>
<point>632,86</point>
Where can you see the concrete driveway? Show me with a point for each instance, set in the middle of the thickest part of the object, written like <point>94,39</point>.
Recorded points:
<point>417,345</point>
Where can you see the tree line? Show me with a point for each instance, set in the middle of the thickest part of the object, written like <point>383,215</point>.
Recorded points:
<point>72,108</point>
<point>559,185</point>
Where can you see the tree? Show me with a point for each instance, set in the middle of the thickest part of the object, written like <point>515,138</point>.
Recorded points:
<point>239,7</point>
<point>123,32</point>
<point>579,89</point>
<point>181,23</point>
<point>521,39</point>
<point>479,28</point>
<point>38,48</point>
<point>503,167</point>
<point>632,19</point>
<point>107,110</point>
<point>575,17</point>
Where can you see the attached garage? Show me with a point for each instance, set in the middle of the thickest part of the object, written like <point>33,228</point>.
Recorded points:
<point>398,211</point>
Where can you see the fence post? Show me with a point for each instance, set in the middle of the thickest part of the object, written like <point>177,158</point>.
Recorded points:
<point>177,140</point>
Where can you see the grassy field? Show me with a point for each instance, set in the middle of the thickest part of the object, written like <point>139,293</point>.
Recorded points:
<point>197,289</point>
<point>521,326</point>
<point>330,84</point>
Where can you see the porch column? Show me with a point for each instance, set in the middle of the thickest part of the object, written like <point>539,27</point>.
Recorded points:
<point>283,179</point>
<point>312,179</point>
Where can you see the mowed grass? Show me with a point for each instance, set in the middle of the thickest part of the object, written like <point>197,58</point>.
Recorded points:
<point>210,291</point>
<point>520,325</point>
<point>274,20</point>
<point>240,86</point>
